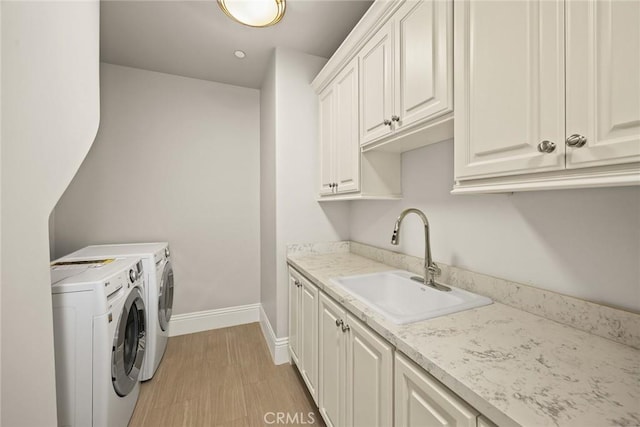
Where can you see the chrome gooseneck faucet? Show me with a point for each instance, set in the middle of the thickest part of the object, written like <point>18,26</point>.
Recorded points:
<point>431,269</point>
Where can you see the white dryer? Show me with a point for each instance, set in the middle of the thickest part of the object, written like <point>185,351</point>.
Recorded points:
<point>99,340</point>
<point>158,272</point>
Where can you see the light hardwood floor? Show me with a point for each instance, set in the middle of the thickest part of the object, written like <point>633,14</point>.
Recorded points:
<point>223,377</point>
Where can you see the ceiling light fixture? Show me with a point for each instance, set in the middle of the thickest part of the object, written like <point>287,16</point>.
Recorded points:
<point>254,13</point>
<point>239,54</point>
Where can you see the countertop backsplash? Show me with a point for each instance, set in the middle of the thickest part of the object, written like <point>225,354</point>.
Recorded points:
<point>608,322</point>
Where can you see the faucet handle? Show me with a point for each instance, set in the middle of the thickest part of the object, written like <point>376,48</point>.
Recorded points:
<point>435,270</point>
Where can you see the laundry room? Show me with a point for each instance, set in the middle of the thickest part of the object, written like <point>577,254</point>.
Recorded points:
<point>319,212</point>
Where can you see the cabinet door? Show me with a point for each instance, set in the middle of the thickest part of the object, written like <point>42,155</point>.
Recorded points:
<point>308,343</point>
<point>485,422</point>
<point>347,147</point>
<point>294,317</point>
<point>509,79</point>
<point>420,400</point>
<point>423,60</point>
<point>603,83</point>
<point>327,137</point>
<point>369,381</point>
<point>331,362</point>
<point>376,85</point>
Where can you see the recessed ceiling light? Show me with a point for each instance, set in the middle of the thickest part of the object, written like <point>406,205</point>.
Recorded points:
<point>239,54</point>
<point>254,13</point>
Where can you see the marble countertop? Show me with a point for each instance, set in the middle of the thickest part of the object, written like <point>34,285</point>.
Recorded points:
<point>516,368</point>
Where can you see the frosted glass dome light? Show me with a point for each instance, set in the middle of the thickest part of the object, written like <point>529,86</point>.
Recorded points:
<point>254,13</point>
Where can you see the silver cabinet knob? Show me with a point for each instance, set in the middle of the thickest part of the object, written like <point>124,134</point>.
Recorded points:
<point>395,118</point>
<point>546,147</point>
<point>387,122</point>
<point>339,322</point>
<point>345,328</point>
<point>576,140</point>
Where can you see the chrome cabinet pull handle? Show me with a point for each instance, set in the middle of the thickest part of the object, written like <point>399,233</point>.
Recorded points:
<point>339,322</point>
<point>546,147</point>
<point>387,122</point>
<point>345,328</point>
<point>576,140</point>
<point>395,118</point>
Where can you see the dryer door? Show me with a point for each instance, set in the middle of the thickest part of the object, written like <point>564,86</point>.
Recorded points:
<point>129,344</point>
<point>165,299</point>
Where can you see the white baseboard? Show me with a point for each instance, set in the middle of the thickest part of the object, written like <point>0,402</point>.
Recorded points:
<point>278,347</point>
<point>199,321</point>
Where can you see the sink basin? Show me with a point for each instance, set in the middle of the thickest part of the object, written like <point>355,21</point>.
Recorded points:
<point>402,300</point>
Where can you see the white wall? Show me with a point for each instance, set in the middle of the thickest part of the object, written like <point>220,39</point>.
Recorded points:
<point>268,263</point>
<point>0,213</point>
<point>175,159</point>
<point>52,234</point>
<point>299,218</point>
<point>584,243</point>
<point>50,114</point>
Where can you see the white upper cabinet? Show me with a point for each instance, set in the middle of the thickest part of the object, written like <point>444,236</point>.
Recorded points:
<point>402,54</point>
<point>327,140</point>
<point>347,149</point>
<point>510,87</point>
<point>547,94</point>
<point>346,173</point>
<point>423,61</point>
<point>406,77</point>
<point>339,147</point>
<point>376,92</point>
<point>603,82</point>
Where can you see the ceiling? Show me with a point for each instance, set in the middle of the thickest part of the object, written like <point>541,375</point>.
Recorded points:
<point>196,39</point>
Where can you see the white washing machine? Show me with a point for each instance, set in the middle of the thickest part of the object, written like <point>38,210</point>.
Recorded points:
<point>99,340</point>
<point>158,273</point>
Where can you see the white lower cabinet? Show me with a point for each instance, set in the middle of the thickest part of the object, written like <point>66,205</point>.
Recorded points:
<point>421,400</point>
<point>353,375</point>
<point>303,329</point>
<point>332,354</point>
<point>369,377</point>
<point>356,370</point>
<point>484,422</point>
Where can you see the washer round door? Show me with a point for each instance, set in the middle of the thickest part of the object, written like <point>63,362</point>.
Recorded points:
<point>165,297</point>
<point>129,344</point>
